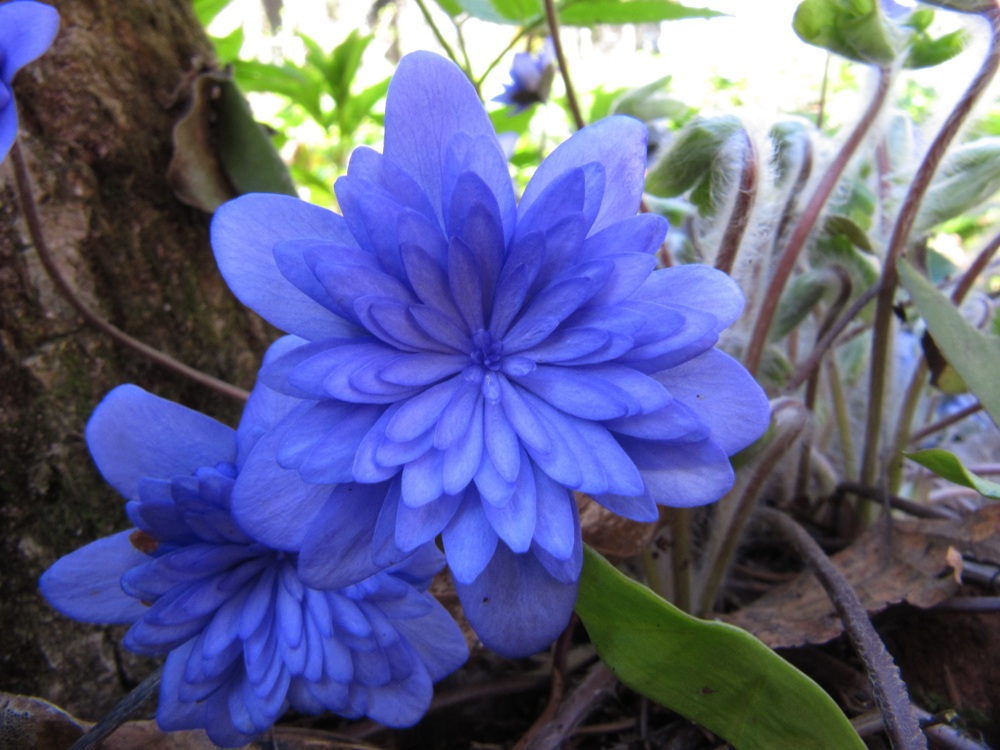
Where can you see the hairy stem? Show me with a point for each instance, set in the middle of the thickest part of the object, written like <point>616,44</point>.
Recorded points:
<point>65,288</point>
<point>739,218</point>
<point>881,345</point>
<point>807,220</point>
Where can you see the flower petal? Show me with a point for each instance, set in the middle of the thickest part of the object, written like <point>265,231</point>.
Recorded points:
<point>86,584</point>
<point>244,233</point>
<point>133,434</point>
<point>27,30</point>
<point>516,608</point>
<point>619,144</point>
<point>469,540</point>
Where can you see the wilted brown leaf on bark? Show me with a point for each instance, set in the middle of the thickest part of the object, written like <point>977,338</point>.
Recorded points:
<point>907,563</point>
<point>613,536</point>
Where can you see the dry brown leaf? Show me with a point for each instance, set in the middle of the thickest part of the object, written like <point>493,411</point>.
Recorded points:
<point>614,537</point>
<point>910,565</point>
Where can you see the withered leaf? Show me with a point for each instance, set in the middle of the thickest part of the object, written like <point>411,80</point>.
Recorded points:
<point>910,564</point>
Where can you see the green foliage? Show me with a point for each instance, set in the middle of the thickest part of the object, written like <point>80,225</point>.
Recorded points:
<point>592,12</point>
<point>949,466</point>
<point>207,10</point>
<point>969,176</point>
<point>714,674</point>
<point>973,354</point>
<point>855,29</point>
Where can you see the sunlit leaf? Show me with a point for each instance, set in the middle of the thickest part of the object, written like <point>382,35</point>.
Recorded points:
<point>359,106</point>
<point>800,297</point>
<point>969,176</point>
<point>714,674</point>
<point>227,48</point>
<point>207,10</point>
<point>652,102</point>
<point>504,11</point>
<point>854,29</point>
<point>948,466</point>
<point>688,161</point>
<point>292,83</point>
<point>973,354</point>
<point>591,12</point>
<point>925,51</point>
<point>343,65</point>
<point>451,7</point>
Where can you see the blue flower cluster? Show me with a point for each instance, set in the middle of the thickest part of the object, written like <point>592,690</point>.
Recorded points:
<point>27,30</point>
<point>459,363</point>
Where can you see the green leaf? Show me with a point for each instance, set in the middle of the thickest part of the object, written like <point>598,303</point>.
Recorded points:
<point>359,106</point>
<point>948,466</point>
<point>591,12</point>
<point>518,12</point>
<point>712,673</point>
<point>973,354</point>
<point>207,10</point>
<point>842,225</point>
<point>854,29</point>
<point>969,176</point>
<point>248,158</point>
<point>451,7</point>
<point>801,295</point>
<point>925,52</point>
<point>227,48</point>
<point>652,102</point>
<point>687,163</point>
<point>343,65</point>
<point>292,83</point>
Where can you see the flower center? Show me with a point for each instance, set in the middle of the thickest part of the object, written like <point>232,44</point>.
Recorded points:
<point>486,351</point>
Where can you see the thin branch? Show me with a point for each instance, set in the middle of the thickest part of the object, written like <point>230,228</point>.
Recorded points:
<point>557,689</point>
<point>920,510</point>
<point>890,692</point>
<point>803,228</point>
<point>881,347</point>
<point>598,683</point>
<point>62,284</point>
<point>128,707</point>
<point>553,20</point>
<point>442,41</point>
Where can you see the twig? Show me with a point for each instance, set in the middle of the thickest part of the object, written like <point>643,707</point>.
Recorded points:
<point>918,510</point>
<point>599,682</point>
<point>558,686</point>
<point>553,20</point>
<point>944,422</point>
<point>890,692</point>
<point>125,710</point>
<point>970,604</point>
<point>30,211</point>
<point>944,735</point>
<point>441,40</point>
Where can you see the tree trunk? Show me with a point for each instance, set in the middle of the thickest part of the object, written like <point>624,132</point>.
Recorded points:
<point>96,114</point>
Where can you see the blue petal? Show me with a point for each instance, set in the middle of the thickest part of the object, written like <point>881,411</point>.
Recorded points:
<point>244,233</point>
<point>557,525</point>
<point>320,441</point>
<point>417,526</point>
<point>697,287</point>
<point>172,714</point>
<point>27,30</point>
<point>419,414</point>
<point>348,276</point>
<point>85,584</point>
<point>515,521</point>
<point>682,476</point>
<point>516,608</point>
<point>723,395</point>
<point>338,550</point>
<point>394,324</point>
<point>273,504</point>
<point>134,434</point>
<point>401,703</point>
<point>640,507</point>
<point>469,540</point>
<point>423,478</point>
<point>483,156</point>
<point>642,234</point>
<point>596,392</point>
<point>429,101</point>
<point>675,423</point>
<point>619,144</point>
<point>462,459</point>
<point>436,640</point>
<point>501,442</point>
<point>8,123</point>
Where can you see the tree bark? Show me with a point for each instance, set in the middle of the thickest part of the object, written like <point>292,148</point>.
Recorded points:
<point>96,114</point>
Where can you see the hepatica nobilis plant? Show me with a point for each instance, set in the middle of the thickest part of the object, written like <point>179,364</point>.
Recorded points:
<point>464,361</point>
<point>245,638</point>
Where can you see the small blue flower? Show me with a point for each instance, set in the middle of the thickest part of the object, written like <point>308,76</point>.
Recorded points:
<point>245,638</point>
<point>472,360</point>
<point>531,78</point>
<point>26,31</point>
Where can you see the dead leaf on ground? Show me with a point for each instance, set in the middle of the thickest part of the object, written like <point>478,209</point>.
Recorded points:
<point>614,537</point>
<point>909,565</point>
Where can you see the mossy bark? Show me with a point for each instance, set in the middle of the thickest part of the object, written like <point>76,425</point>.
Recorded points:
<point>96,115</point>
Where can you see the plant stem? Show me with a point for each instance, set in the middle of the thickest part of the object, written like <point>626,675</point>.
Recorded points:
<point>681,562</point>
<point>948,421</point>
<point>807,220</point>
<point>881,344</point>
<point>553,20</point>
<point>890,692</point>
<point>62,284</point>
<point>843,418</point>
<point>739,218</point>
<point>126,709</point>
<point>442,41</point>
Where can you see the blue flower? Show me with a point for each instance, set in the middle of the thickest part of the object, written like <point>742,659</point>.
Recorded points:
<point>474,360</point>
<point>26,30</point>
<point>245,638</point>
<point>531,78</point>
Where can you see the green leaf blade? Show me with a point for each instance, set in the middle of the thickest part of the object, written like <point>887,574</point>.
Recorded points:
<point>713,673</point>
<point>948,466</point>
